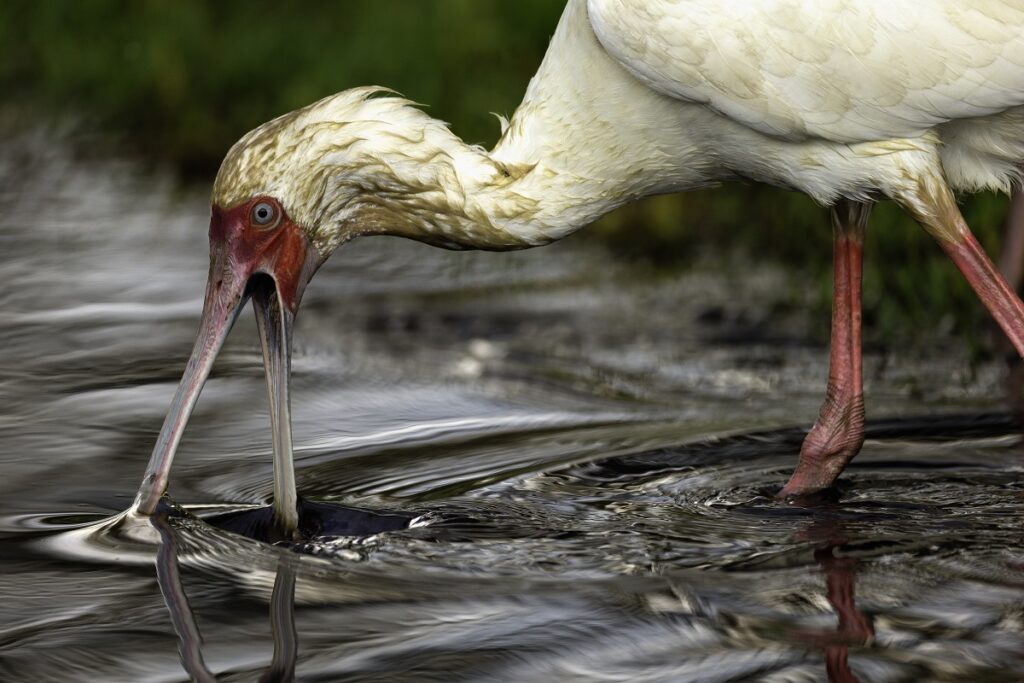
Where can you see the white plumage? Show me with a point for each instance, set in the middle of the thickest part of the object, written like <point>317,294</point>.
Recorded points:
<point>840,70</point>
<point>835,98</point>
<point>845,100</point>
<point>847,71</point>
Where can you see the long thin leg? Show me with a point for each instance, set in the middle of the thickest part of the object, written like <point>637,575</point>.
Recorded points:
<point>937,212</point>
<point>989,285</point>
<point>839,432</point>
<point>1011,265</point>
<point>1011,259</point>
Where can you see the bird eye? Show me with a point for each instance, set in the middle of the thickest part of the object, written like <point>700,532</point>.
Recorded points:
<point>265,215</point>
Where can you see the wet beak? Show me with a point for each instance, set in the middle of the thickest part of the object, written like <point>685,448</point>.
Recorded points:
<point>272,267</point>
<point>274,321</point>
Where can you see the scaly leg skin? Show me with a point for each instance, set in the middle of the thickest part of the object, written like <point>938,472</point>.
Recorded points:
<point>839,432</point>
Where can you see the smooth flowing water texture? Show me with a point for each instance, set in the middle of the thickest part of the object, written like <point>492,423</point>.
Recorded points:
<point>586,455</point>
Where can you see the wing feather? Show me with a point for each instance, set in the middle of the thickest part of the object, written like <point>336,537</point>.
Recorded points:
<point>842,70</point>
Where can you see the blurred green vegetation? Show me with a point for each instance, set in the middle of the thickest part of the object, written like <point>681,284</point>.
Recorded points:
<point>180,80</point>
<point>183,79</point>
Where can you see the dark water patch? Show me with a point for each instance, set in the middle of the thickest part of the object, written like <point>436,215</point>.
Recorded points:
<point>315,520</point>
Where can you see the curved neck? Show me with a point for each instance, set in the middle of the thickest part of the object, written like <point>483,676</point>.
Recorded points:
<point>594,137</point>
<point>587,138</point>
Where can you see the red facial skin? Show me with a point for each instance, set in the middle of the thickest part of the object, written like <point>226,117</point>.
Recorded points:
<point>239,248</point>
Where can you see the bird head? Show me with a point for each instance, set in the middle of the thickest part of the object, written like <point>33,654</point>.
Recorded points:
<point>286,196</point>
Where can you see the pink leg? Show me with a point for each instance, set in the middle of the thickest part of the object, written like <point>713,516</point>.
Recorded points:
<point>1011,260</point>
<point>935,209</point>
<point>1011,265</point>
<point>988,284</point>
<point>839,432</point>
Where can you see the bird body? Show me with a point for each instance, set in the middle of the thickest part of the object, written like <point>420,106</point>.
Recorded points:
<point>641,97</point>
<point>844,100</point>
<point>841,70</point>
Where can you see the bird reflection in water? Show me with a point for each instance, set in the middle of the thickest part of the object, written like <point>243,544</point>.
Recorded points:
<point>282,611</point>
<point>827,534</point>
<point>320,521</point>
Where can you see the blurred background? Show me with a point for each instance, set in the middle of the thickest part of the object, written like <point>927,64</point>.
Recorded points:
<point>591,434</point>
<point>174,84</point>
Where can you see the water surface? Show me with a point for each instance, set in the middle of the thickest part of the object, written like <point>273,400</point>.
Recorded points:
<point>580,457</point>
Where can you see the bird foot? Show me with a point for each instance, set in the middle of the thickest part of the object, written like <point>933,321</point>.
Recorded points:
<point>833,441</point>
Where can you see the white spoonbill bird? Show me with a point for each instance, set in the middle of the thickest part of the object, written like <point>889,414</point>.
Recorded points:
<point>848,101</point>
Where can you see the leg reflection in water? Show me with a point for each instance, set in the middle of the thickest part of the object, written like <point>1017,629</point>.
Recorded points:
<point>282,612</point>
<point>840,581</point>
<point>854,627</point>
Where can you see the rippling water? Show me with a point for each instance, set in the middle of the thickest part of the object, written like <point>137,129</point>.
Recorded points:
<point>559,468</point>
